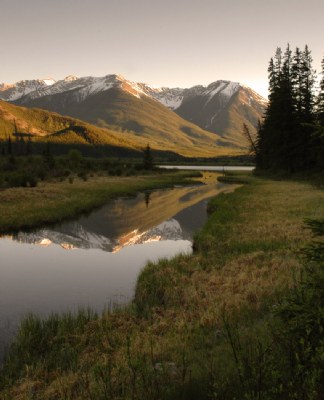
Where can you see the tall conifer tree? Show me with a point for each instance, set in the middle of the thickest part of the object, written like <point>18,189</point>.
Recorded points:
<point>307,86</point>
<point>284,139</point>
<point>320,99</point>
<point>296,78</point>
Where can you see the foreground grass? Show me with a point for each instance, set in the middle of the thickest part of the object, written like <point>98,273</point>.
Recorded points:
<point>53,202</point>
<point>176,340</point>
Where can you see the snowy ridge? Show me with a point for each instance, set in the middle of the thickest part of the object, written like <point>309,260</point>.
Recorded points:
<point>171,98</point>
<point>23,88</point>
<point>174,98</point>
<point>255,95</point>
<point>84,87</point>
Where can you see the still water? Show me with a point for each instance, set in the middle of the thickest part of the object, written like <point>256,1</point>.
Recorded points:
<point>214,168</point>
<point>95,260</point>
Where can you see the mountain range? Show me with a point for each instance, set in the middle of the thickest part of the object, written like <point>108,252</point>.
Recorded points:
<point>199,121</point>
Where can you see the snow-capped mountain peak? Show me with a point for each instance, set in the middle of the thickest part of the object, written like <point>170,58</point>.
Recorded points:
<point>84,87</point>
<point>70,78</point>
<point>49,81</point>
<point>23,88</point>
<point>174,98</point>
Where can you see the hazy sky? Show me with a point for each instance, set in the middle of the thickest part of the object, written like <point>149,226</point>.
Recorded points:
<point>160,42</point>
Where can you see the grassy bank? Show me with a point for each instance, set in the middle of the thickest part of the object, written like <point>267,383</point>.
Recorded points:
<point>200,326</point>
<point>54,201</point>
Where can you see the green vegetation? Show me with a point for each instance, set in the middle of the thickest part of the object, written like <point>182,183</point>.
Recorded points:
<point>291,137</point>
<point>240,318</point>
<point>44,126</point>
<point>75,192</point>
<point>147,158</point>
<point>29,171</point>
<point>122,123</point>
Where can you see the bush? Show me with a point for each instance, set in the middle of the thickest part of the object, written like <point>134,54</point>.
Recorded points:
<point>32,180</point>
<point>83,175</point>
<point>17,179</point>
<point>74,157</point>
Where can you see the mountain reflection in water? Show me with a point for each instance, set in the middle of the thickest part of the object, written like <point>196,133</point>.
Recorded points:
<point>112,245</point>
<point>148,217</point>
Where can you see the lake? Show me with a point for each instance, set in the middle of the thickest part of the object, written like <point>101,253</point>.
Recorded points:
<point>208,168</point>
<point>95,260</point>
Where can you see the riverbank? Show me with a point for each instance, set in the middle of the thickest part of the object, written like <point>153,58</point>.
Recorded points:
<point>51,202</point>
<point>176,340</point>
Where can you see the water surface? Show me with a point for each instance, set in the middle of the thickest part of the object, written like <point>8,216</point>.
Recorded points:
<point>95,260</point>
<point>208,168</point>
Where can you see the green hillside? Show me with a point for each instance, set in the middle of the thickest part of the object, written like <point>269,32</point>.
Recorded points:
<point>139,120</point>
<point>41,125</point>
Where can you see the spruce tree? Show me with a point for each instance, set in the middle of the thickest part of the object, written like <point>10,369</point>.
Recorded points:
<point>147,158</point>
<point>286,119</point>
<point>9,146</point>
<point>285,140</point>
<point>276,136</point>
<point>317,149</point>
<point>306,141</point>
<point>307,87</point>
<point>296,79</point>
<point>320,99</point>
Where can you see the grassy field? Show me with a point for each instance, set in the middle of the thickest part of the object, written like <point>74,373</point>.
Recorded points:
<point>52,202</point>
<point>200,327</point>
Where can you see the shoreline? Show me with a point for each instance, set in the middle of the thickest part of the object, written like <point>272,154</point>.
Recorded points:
<point>246,260</point>
<point>50,203</point>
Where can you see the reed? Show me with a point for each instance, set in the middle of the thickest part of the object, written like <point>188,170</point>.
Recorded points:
<point>201,326</point>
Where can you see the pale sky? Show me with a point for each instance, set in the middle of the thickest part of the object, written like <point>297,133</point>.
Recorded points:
<point>174,43</point>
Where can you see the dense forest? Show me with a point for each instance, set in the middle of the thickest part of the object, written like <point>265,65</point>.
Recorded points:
<point>291,136</point>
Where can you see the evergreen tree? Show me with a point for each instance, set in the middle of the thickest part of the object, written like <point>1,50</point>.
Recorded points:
<point>48,157</point>
<point>320,99</point>
<point>306,141</point>
<point>296,78</point>
<point>284,139</point>
<point>147,158</point>
<point>9,146</point>
<point>276,136</point>
<point>307,87</point>
<point>317,149</point>
<point>29,146</point>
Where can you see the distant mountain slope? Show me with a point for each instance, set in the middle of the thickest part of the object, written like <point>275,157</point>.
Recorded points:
<point>123,110</point>
<point>58,129</point>
<point>112,101</point>
<point>221,107</point>
<point>158,126</point>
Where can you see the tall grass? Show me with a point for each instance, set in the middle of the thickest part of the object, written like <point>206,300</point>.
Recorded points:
<point>205,326</point>
<point>55,201</point>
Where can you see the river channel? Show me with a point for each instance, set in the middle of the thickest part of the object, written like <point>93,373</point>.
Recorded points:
<point>95,260</point>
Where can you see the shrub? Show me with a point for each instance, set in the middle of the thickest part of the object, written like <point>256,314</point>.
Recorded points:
<point>83,175</point>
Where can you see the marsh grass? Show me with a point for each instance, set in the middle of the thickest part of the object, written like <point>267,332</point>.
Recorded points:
<point>200,326</point>
<point>55,201</point>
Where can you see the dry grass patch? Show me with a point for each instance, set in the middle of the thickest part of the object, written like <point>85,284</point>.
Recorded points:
<point>169,344</point>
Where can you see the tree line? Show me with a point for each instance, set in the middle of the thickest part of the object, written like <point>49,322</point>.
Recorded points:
<point>291,136</point>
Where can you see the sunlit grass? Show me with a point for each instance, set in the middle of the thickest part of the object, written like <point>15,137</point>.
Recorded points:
<point>169,343</point>
<point>52,202</point>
